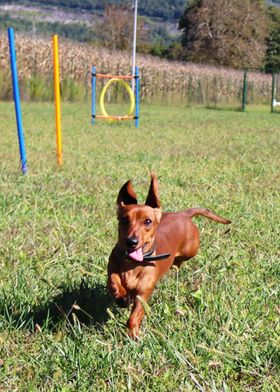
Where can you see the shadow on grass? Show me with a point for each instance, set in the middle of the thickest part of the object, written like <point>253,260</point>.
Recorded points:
<point>85,303</point>
<point>224,108</point>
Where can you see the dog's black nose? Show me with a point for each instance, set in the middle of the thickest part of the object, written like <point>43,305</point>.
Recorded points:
<point>132,242</point>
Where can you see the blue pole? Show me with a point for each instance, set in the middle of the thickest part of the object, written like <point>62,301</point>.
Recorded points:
<point>17,100</point>
<point>93,95</point>
<point>137,96</point>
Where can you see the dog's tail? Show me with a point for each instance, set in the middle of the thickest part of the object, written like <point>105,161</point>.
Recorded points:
<point>208,214</point>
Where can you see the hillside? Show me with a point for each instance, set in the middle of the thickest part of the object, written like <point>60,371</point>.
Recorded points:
<point>153,8</point>
<point>80,20</point>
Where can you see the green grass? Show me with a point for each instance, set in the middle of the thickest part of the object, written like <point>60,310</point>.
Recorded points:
<point>58,226</point>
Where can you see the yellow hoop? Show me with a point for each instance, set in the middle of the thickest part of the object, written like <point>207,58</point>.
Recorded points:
<point>129,91</point>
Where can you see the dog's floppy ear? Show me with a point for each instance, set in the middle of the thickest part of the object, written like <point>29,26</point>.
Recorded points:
<point>126,195</point>
<point>152,198</point>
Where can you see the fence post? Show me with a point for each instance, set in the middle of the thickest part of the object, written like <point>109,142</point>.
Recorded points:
<point>245,91</point>
<point>272,92</point>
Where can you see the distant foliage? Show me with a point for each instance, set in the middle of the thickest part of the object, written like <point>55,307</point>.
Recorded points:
<point>234,33</point>
<point>159,8</point>
<point>225,32</point>
<point>77,32</point>
<point>116,28</point>
<point>273,41</point>
<point>6,21</point>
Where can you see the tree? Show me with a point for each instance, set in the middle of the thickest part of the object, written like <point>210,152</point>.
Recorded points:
<point>116,28</point>
<point>225,32</point>
<point>272,62</point>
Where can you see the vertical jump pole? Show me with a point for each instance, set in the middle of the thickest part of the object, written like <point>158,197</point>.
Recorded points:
<point>134,42</point>
<point>137,96</point>
<point>93,95</point>
<point>57,100</point>
<point>17,101</point>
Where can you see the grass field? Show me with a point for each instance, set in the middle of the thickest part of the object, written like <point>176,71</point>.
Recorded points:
<point>214,326</point>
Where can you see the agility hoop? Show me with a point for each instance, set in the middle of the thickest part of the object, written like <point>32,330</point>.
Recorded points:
<point>134,96</point>
<point>130,94</point>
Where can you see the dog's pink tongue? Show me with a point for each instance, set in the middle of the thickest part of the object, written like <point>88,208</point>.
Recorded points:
<point>137,255</point>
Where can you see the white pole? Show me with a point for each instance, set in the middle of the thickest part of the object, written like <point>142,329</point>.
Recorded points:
<point>134,42</point>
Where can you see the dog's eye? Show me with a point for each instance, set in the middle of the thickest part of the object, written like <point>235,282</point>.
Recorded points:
<point>124,220</point>
<point>147,222</point>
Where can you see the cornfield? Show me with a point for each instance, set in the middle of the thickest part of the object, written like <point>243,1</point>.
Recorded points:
<point>161,80</point>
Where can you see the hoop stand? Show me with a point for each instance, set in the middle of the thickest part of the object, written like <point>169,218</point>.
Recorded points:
<point>134,96</point>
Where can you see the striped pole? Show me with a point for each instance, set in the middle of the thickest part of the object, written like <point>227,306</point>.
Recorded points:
<point>137,96</point>
<point>17,101</point>
<point>57,100</point>
<point>93,95</point>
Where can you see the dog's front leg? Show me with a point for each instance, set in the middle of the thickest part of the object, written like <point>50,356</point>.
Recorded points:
<point>118,291</point>
<point>137,313</point>
<point>115,286</point>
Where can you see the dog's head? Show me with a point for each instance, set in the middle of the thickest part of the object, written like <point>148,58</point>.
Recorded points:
<point>138,222</point>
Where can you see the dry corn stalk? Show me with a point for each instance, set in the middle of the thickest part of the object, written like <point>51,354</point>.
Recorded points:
<point>160,79</point>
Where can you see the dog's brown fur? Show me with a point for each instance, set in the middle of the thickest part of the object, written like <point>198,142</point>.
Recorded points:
<point>140,228</point>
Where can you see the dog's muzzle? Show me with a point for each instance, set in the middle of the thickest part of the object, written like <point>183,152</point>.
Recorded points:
<point>139,256</point>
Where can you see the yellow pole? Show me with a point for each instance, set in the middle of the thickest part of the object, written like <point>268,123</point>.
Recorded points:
<point>57,100</point>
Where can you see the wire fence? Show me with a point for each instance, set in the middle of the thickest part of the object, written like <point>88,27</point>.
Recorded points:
<point>162,81</point>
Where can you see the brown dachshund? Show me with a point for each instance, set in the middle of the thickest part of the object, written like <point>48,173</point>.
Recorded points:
<point>149,243</point>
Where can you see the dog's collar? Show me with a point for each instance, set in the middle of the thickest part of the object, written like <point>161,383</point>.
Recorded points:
<point>148,256</point>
